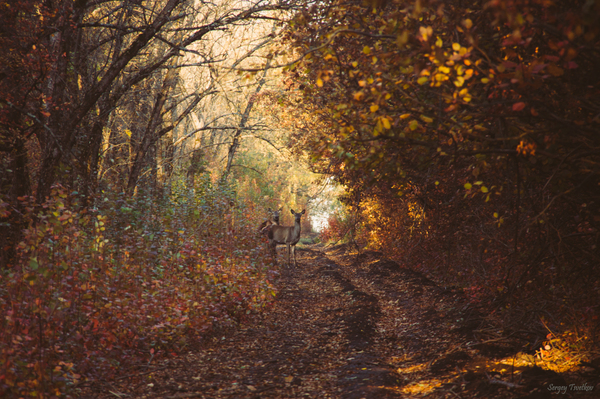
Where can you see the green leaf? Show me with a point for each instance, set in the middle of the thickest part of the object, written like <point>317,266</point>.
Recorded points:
<point>468,186</point>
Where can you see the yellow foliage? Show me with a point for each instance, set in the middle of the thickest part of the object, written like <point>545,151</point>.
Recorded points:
<point>425,32</point>
<point>459,81</point>
<point>386,123</point>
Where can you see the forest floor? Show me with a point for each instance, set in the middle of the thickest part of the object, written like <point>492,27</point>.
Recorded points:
<point>352,326</point>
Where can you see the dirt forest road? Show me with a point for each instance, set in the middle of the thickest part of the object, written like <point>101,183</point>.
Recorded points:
<point>346,326</point>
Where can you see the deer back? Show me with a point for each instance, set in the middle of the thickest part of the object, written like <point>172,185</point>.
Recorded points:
<point>286,234</point>
<point>281,234</point>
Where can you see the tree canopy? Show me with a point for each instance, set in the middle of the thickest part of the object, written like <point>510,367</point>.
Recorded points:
<point>465,133</point>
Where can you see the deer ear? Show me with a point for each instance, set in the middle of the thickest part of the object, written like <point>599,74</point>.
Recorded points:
<point>270,210</point>
<point>292,211</point>
<point>303,211</point>
<point>280,209</point>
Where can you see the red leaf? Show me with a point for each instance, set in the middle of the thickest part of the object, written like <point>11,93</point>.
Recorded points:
<point>552,58</point>
<point>538,68</point>
<point>509,64</point>
<point>518,106</point>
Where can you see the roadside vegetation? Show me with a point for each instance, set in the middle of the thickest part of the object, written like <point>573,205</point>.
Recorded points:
<point>465,134</point>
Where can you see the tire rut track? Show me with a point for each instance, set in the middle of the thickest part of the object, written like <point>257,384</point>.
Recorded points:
<point>342,327</point>
<point>363,375</point>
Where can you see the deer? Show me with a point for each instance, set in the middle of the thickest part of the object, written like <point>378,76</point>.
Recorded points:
<point>286,235</point>
<point>273,219</point>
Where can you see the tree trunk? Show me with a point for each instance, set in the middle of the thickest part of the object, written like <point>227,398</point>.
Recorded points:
<point>93,156</point>
<point>245,116</point>
<point>151,134</point>
<point>11,228</point>
<point>67,122</point>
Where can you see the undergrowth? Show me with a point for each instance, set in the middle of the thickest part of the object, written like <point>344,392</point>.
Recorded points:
<point>97,291</point>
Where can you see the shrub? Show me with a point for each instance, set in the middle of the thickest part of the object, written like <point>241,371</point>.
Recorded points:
<point>128,281</point>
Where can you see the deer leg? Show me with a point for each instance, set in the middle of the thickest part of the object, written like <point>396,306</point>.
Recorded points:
<point>295,262</point>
